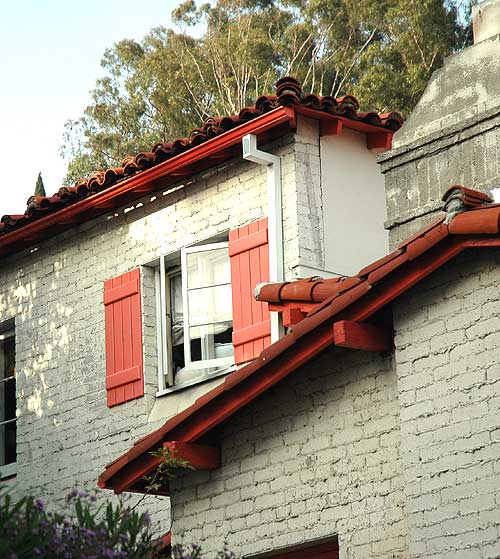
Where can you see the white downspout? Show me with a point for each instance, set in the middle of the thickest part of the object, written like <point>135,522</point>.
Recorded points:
<point>275,218</point>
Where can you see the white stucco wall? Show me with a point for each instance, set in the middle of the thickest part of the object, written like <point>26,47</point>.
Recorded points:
<point>353,197</point>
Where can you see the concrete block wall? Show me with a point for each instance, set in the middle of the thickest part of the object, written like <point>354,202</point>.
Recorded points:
<point>308,207</point>
<point>317,455</point>
<point>66,434</point>
<point>417,176</point>
<point>448,367</point>
<point>451,137</point>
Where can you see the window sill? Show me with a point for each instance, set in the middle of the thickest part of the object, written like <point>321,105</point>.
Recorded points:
<point>9,470</point>
<point>178,387</point>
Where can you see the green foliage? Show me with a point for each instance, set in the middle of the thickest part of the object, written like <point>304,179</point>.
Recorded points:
<point>382,51</point>
<point>87,531</point>
<point>165,471</point>
<point>39,187</point>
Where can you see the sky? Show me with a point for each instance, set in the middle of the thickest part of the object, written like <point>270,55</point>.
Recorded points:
<point>50,60</point>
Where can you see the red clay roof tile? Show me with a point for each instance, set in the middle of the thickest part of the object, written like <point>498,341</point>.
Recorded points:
<point>378,263</point>
<point>475,223</point>
<point>288,92</point>
<point>473,194</point>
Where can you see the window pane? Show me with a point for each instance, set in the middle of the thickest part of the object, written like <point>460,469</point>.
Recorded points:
<point>7,348</point>
<point>8,399</point>
<point>212,341</point>
<point>176,299</point>
<point>7,443</point>
<point>210,304</point>
<point>209,267</point>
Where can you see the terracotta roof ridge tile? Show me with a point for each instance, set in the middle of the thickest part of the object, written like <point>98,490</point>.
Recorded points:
<point>467,191</point>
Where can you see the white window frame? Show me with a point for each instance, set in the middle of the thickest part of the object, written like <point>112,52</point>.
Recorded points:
<point>7,470</point>
<point>166,380</point>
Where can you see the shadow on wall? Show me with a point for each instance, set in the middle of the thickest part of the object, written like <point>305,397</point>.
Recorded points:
<point>65,432</point>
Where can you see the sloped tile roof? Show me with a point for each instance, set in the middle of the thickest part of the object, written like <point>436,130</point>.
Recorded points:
<point>288,93</point>
<point>356,298</point>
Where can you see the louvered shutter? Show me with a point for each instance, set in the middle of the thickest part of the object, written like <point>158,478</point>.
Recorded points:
<point>123,327</point>
<point>249,257</point>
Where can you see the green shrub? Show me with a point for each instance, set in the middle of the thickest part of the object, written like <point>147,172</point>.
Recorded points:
<point>88,531</point>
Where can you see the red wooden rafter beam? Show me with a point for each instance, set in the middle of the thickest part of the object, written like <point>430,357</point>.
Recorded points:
<point>361,335</point>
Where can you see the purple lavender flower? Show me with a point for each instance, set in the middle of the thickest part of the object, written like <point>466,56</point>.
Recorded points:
<point>39,505</point>
<point>88,533</point>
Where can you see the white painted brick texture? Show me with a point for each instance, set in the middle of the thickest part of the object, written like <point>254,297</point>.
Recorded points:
<point>66,434</point>
<point>448,363</point>
<point>317,455</point>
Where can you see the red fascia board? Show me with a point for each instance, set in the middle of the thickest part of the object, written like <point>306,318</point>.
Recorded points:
<point>346,122</point>
<point>308,338</point>
<point>147,181</point>
<point>409,275</point>
<point>222,404</point>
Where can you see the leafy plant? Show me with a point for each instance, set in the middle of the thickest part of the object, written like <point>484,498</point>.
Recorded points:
<point>158,89</point>
<point>87,531</point>
<point>165,471</point>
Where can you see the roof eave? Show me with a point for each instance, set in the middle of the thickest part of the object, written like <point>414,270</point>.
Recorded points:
<point>308,339</point>
<point>208,154</point>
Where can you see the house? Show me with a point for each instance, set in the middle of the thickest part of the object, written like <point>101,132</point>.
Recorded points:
<point>126,297</point>
<point>371,428</point>
<point>354,415</point>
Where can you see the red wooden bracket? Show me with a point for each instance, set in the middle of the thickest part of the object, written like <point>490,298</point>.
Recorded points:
<point>379,140</point>
<point>292,316</point>
<point>360,335</point>
<point>199,456</point>
<point>331,127</point>
<point>298,305</point>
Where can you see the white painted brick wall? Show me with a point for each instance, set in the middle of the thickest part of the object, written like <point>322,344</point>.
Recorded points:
<point>448,363</point>
<point>318,455</point>
<point>66,434</point>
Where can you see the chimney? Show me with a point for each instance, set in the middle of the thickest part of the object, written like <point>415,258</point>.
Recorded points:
<point>452,135</point>
<point>486,20</point>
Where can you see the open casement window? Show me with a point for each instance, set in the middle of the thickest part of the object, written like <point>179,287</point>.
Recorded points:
<point>7,404</point>
<point>208,319</point>
<point>195,325</point>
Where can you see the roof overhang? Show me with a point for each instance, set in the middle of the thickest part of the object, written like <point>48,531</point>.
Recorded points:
<point>266,127</point>
<point>359,299</point>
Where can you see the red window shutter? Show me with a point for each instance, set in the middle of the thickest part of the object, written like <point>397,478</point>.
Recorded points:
<point>249,257</point>
<point>123,327</point>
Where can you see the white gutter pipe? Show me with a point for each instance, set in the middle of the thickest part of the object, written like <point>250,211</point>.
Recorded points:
<point>275,218</point>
